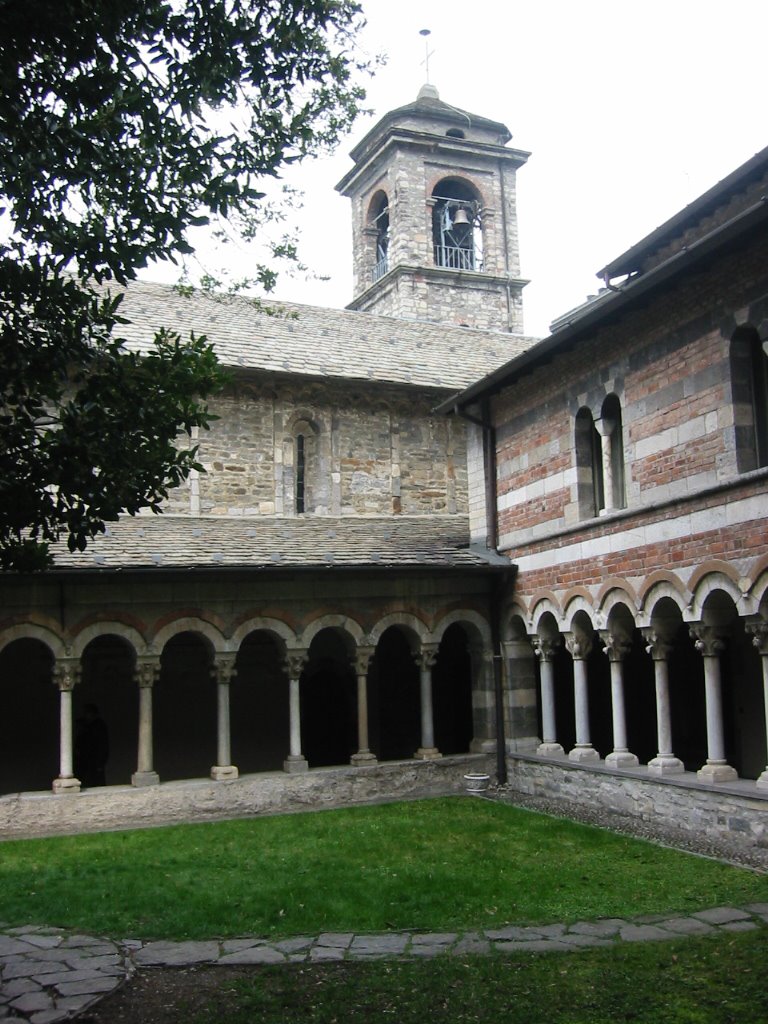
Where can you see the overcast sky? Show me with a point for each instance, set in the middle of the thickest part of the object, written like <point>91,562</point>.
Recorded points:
<point>630,111</point>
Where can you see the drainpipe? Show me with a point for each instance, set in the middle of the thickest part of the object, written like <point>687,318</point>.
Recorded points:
<point>500,580</point>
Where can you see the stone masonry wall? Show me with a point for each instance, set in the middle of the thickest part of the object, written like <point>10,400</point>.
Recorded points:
<point>371,454</point>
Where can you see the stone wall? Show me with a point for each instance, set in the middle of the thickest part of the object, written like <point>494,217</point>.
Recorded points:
<point>121,807</point>
<point>736,813</point>
<point>373,451</point>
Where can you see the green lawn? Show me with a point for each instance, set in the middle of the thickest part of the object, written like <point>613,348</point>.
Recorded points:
<point>695,981</point>
<point>452,863</point>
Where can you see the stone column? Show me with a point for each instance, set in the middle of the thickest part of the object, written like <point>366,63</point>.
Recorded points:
<point>545,648</point>
<point>665,762</point>
<point>146,675</point>
<point>709,644</point>
<point>294,666</point>
<point>617,646</point>
<point>426,659</point>
<point>760,640</point>
<point>579,647</point>
<point>605,429</point>
<point>223,671</point>
<point>363,757</point>
<point>66,675</point>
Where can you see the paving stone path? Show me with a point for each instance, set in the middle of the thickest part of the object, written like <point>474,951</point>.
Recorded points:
<point>48,974</point>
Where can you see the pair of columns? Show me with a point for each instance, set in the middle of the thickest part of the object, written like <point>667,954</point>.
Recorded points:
<point>708,642</point>
<point>295,664</point>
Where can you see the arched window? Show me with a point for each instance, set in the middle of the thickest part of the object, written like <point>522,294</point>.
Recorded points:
<point>300,463</point>
<point>456,228</point>
<point>379,227</point>
<point>749,390</point>
<point>612,446</point>
<point>589,465</point>
<point>302,479</point>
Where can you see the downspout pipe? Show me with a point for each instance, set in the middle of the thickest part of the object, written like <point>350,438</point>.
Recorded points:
<point>500,581</point>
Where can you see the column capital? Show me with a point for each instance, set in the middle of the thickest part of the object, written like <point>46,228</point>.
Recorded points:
<point>658,646</point>
<point>362,659</point>
<point>707,640</point>
<point>295,662</point>
<point>617,645</point>
<point>604,426</point>
<point>223,669</point>
<point>67,673</point>
<point>147,672</point>
<point>426,656</point>
<point>545,647</point>
<point>579,645</point>
<point>759,630</point>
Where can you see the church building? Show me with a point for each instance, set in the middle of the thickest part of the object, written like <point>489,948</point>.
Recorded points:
<point>423,540</point>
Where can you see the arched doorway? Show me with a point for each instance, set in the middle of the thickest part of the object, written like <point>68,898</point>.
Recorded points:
<point>259,705</point>
<point>185,709</point>
<point>452,692</point>
<point>108,689</point>
<point>394,698</point>
<point>328,693</point>
<point>29,722</point>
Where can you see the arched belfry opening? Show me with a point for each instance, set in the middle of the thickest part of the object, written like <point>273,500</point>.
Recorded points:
<point>457,235</point>
<point>378,226</point>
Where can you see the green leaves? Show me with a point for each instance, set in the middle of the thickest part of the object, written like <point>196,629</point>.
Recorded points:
<point>111,148</point>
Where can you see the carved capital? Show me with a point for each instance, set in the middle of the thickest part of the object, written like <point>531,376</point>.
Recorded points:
<point>708,642</point>
<point>659,647</point>
<point>546,646</point>
<point>759,629</point>
<point>223,670</point>
<point>426,657</point>
<point>579,645</point>
<point>147,673</point>
<point>362,659</point>
<point>66,675</point>
<point>617,645</point>
<point>295,662</point>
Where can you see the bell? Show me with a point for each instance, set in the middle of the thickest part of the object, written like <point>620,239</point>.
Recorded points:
<point>460,217</point>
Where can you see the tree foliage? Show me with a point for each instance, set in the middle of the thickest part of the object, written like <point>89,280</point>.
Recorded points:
<point>122,126</point>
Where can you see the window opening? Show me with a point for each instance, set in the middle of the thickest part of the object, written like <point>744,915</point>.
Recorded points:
<point>456,227</point>
<point>759,376</point>
<point>380,224</point>
<point>300,474</point>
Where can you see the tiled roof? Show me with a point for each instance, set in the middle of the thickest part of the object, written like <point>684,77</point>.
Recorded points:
<point>318,342</point>
<point>180,542</point>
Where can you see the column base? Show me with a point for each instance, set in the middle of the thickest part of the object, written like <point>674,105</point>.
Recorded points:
<point>295,763</point>
<point>222,772</point>
<point>363,759</point>
<point>762,781</point>
<point>427,754</point>
<point>550,750</point>
<point>140,779</point>
<point>717,771</point>
<point>583,754</point>
<point>665,764</point>
<point>70,785</point>
<point>622,759</point>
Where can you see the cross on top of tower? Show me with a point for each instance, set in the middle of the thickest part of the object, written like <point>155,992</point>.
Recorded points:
<point>426,33</point>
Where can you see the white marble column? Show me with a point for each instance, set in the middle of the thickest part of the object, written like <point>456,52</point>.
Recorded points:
<point>426,658</point>
<point>294,664</point>
<point>665,762</point>
<point>605,428</point>
<point>223,671</point>
<point>363,757</point>
<point>146,675</point>
<point>709,644</point>
<point>579,647</point>
<point>760,640</point>
<point>617,646</point>
<point>66,675</point>
<point>545,648</point>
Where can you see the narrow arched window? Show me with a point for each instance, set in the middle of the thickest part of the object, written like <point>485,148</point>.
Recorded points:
<point>301,469</point>
<point>749,391</point>
<point>589,465</point>
<point>612,441</point>
<point>378,222</point>
<point>456,227</point>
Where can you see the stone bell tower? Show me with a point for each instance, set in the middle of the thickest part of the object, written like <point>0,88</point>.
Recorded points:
<point>434,217</point>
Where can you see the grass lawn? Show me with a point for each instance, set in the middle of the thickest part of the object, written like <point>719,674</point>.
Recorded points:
<point>453,863</point>
<point>696,981</point>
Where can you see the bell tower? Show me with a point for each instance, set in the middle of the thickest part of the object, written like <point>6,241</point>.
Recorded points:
<point>434,217</point>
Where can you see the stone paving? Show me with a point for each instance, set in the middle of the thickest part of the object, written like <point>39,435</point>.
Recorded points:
<point>49,975</point>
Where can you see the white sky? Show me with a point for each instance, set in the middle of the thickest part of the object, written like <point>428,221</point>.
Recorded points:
<point>630,110</point>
